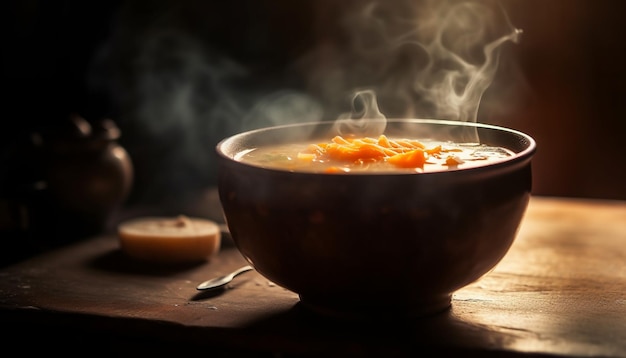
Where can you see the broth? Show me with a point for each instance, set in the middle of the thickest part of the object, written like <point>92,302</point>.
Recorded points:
<point>366,155</point>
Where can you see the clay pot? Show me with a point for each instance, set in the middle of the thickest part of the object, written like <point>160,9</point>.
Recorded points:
<point>87,176</point>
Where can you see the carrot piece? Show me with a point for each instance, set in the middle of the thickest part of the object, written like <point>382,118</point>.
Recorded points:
<point>404,153</point>
<point>373,150</point>
<point>306,156</point>
<point>383,141</point>
<point>390,152</point>
<point>411,159</point>
<point>435,150</point>
<point>366,140</point>
<point>454,160</point>
<point>333,170</point>
<point>350,153</point>
<point>340,140</point>
<point>410,143</point>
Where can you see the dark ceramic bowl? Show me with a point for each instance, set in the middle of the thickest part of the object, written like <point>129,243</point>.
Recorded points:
<point>375,244</point>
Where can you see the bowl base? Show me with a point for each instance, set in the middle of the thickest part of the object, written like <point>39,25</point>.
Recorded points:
<point>382,311</point>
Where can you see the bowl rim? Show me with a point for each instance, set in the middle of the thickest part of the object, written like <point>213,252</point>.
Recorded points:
<point>518,157</point>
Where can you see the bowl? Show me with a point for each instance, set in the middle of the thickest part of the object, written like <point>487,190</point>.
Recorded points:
<point>375,244</point>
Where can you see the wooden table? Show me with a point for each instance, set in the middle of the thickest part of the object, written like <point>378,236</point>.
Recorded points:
<point>560,290</point>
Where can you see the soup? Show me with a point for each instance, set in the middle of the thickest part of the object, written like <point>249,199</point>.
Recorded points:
<point>367,154</point>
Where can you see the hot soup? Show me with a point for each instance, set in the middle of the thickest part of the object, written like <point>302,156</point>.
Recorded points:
<point>368,154</point>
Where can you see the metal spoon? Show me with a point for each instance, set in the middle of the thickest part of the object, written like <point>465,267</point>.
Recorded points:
<point>222,280</point>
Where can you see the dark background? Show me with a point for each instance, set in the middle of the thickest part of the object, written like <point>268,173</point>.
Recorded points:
<point>563,83</point>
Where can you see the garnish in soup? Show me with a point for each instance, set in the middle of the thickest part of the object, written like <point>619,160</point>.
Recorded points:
<point>367,154</point>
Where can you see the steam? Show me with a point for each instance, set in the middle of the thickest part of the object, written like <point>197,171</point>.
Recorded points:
<point>421,59</point>
<point>384,58</point>
<point>369,120</point>
<point>282,107</point>
<point>450,82</point>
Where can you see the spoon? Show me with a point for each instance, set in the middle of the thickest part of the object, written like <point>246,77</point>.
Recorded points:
<point>221,281</point>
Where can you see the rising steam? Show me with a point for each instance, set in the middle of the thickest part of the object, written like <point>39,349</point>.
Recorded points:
<point>365,118</point>
<point>387,58</point>
<point>421,59</point>
<point>452,82</point>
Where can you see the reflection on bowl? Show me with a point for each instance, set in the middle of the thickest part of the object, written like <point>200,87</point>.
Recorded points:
<point>379,244</point>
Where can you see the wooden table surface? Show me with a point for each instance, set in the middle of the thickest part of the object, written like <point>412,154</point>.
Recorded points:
<point>559,291</point>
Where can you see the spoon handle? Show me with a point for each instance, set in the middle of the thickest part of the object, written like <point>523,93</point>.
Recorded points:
<point>222,280</point>
<point>241,270</point>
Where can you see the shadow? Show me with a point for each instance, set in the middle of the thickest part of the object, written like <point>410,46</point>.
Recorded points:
<point>208,294</point>
<point>309,333</point>
<point>116,261</point>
